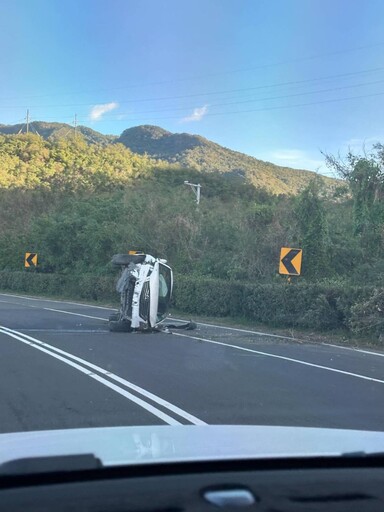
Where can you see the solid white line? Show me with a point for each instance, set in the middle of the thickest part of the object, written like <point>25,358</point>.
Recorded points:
<point>76,314</point>
<point>20,304</point>
<point>354,349</point>
<point>134,387</point>
<point>298,361</point>
<point>148,407</point>
<point>247,331</point>
<point>280,336</point>
<point>57,301</point>
<point>238,330</point>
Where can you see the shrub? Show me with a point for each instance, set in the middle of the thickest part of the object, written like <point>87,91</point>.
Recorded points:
<point>63,285</point>
<point>367,315</point>
<point>321,306</point>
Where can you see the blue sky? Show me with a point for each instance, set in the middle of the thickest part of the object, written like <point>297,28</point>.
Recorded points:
<point>281,80</point>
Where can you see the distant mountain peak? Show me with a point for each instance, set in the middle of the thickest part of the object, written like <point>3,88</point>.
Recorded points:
<point>158,142</point>
<point>187,151</point>
<point>148,130</point>
<point>204,155</point>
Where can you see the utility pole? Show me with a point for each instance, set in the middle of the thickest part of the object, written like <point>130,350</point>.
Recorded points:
<point>75,124</point>
<point>196,190</point>
<point>27,120</point>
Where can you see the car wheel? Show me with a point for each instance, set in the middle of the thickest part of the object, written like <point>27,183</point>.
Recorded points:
<point>125,259</point>
<point>120,326</point>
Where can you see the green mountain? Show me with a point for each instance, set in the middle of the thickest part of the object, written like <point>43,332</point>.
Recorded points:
<point>53,131</point>
<point>194,151</point>
<point>187,151</point>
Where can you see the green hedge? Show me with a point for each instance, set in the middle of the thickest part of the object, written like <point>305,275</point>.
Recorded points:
<point>99,288</point>
<point>309,305</point>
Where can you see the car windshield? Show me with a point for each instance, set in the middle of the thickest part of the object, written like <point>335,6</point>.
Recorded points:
<point>191,223</point>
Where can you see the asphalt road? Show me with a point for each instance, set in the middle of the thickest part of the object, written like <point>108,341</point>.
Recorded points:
<point>60,367</point>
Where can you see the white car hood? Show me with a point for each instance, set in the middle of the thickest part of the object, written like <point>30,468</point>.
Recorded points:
<point>140,445</point>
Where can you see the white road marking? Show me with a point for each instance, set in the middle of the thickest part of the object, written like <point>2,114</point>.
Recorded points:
<point>298,361</point>
<point>35,343</point>
<point>76,314</point>
<point>55,310</point>
<point>57,301</point>
<point>126,394</point>
<point>68,331</point>
<point>236,329</point>
<point>355,349</point>
<point>20,304</point>
<point>370,352</point>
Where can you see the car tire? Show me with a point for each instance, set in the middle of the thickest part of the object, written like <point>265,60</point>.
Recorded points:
<point>120,326</point>
<point>126,259</point>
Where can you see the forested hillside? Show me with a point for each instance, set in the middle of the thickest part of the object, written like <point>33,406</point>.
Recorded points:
<point>196,152</point>
<point>28,161</point>
<point>186,151</point>
<point>77,204</point>
<point>57,131</point>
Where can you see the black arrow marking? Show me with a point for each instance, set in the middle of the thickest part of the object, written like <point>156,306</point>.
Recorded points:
<point>287,261</point>
<point>30,258</point>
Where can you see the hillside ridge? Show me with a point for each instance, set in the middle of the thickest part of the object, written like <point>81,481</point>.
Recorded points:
<point>189,151</point>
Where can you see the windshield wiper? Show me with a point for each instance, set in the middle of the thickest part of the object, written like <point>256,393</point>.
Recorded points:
<point>362,454</point>
<point>50,464</point>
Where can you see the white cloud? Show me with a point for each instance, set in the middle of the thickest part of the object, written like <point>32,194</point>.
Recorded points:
<point>98,111</point>
<point>197,114</point>
<point>358,145</point>
<point>297,159</point>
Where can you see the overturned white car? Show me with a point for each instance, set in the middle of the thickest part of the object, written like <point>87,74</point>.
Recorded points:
<point>145,288</point>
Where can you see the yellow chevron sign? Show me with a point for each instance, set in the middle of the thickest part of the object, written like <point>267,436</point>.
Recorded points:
<point>290,261</point>
<point>30,259</point>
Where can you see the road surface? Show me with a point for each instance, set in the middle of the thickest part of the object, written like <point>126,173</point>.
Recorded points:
<point>60,367</point>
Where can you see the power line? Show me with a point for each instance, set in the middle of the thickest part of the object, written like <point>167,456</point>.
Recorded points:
<point>26,123</point>
<point>264,109</point>
<point>219,73</point>
<point>210,114</point>
<point>336,100</point>
<point>162,98</point>
<point>255,99</point>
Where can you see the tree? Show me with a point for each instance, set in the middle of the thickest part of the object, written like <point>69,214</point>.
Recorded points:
<point>365,177</point>
<point>313,230</point>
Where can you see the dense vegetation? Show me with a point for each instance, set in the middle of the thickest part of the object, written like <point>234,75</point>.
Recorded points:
<point>77,204</point>
<point>58,131</point>
<point>196,152</point>
<point>187,151</point>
